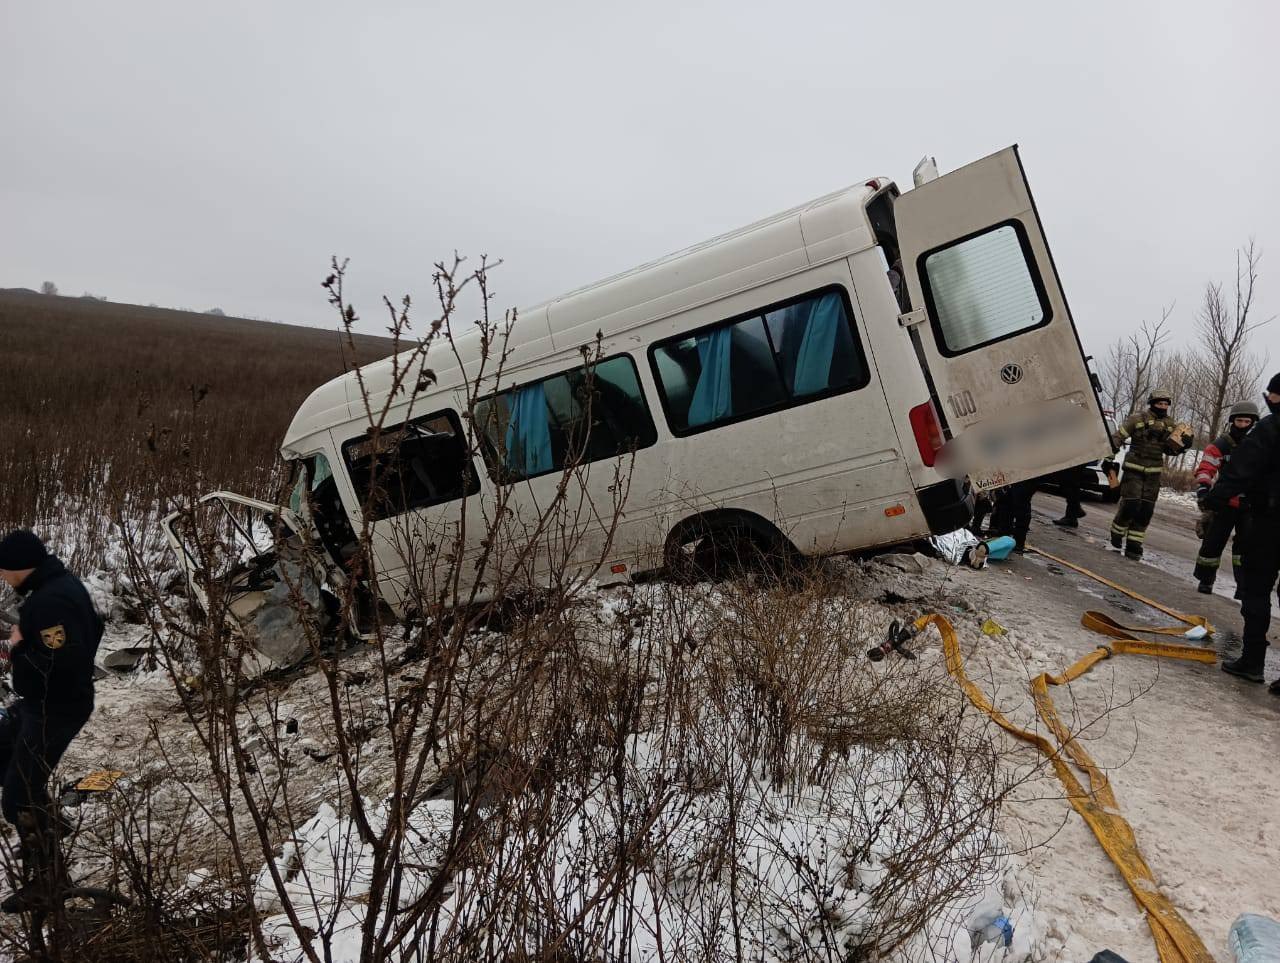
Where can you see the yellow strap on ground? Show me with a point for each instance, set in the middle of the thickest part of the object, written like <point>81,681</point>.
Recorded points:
<point>99,781</point>
<point>1180,616</point>
<point>1175,940</point>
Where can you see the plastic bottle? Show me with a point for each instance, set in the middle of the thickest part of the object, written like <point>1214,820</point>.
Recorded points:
<point>991,928</point>
<point>1255,939</point>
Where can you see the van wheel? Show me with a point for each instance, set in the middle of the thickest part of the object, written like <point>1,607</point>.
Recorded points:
<point>730,552</point>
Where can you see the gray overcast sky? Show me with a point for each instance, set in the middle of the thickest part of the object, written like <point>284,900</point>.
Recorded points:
<point>218,154</point>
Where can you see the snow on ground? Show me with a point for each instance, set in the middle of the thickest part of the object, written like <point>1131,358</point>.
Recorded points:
<point>1189,754</point>
<point>1183,499</point>
<point>1191,763</point>
<point>795,876</point>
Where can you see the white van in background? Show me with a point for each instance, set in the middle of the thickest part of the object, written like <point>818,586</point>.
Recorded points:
<point>829,379</point>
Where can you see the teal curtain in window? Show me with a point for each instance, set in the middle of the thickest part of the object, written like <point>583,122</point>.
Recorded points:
<point>529,432</point>
<point>713,394</point>
<point>813,361</point>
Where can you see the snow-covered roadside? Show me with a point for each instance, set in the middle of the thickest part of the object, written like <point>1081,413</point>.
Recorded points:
<point>797,884</point>
<point>1182,499</point>
<point>1188,752</point>
<point>1197,813</point>
<point>800,881</point>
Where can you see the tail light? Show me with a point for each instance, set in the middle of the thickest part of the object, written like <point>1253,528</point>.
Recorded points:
<point>924,425</point>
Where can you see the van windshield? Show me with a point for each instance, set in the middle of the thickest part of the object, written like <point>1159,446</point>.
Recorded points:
<point>307,474</point>
<point>314,497</point>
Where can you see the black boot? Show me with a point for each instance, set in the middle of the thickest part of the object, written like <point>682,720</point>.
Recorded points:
<point>1205,588</point>
<point>1253,657</point>
<point>1067,521</point>
<point>42,865</point>
<point>1274,688</point>
<point>1133,553</point>
<point>1250,669</point>
<point>1117,542</point>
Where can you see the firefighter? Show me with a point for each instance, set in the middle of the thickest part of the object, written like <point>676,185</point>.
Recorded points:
<point>1253,475</point>
<point>1214,528</point>
<point>1151,434</point>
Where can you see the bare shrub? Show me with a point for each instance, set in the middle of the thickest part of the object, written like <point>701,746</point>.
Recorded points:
<point>516,767</point>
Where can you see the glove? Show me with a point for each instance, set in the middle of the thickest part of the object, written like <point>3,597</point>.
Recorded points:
<point>1111,470</point>
<point>1179,439</point>
<point>1202,492</point>
<point>1203,523</point>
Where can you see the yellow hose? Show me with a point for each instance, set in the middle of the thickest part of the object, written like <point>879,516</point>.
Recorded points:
<point>1180,616</point>
<point>1175,940</point>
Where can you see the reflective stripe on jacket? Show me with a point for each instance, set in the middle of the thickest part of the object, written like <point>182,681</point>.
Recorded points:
<point>1146,435</point>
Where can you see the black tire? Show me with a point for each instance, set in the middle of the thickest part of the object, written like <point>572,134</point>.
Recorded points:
<point>731,551</point>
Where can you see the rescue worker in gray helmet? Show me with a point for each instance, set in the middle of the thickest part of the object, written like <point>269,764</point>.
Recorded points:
<point>1214,528</point>
<point>1152,435</point>
<point>1253,476</point>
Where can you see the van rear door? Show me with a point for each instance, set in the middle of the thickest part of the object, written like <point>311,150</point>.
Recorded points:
<point>994,329</point>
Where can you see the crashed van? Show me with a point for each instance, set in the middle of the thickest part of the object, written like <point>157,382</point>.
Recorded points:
<point>839,376</point>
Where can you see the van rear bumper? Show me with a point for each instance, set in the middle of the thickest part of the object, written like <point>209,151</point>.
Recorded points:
<point>947,505</point>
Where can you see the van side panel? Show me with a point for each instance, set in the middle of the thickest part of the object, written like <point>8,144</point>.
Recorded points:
<point>838,474</point>
<point>901,378</point>
<point>824,472</point>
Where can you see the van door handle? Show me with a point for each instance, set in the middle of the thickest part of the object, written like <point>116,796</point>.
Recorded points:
<point>918,316</point>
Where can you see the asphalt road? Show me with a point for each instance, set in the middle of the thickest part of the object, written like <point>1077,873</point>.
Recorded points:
<point>1164,574</point>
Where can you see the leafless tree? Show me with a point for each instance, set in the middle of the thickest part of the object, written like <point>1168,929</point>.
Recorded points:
<point>1224,324</point>
<point>1179,373</point>
<point>48,287</point>
<point>1131,363</point>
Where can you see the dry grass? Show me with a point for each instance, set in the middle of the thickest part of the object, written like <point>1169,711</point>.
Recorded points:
<point>511,778</point>
<point>92,386</point>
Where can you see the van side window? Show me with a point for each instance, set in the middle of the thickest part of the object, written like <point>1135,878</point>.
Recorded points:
<point>412,465</point>
<point>784,355</point>
<point>982,289</point>
<point>587,414</point>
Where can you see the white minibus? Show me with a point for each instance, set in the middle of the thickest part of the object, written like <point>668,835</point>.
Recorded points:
<point>833,378</point>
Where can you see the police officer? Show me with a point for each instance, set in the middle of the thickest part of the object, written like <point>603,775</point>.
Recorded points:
<point>1253,475</point>
<point>50,652</point>
<point>1151,435</point>
<point>1214,528</point>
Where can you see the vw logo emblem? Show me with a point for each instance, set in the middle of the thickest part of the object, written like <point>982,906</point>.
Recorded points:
<point>1011,374</point>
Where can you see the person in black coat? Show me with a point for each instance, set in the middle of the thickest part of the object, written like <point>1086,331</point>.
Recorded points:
<point>51,654</point>
<point>1253,473</point>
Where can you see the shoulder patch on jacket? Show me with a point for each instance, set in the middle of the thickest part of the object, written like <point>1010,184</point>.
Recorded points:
<point>54,638</point>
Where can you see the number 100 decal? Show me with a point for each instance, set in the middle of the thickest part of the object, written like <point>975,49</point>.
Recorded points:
<point>962,404</point>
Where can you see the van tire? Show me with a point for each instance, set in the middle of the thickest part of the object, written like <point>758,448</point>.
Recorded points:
<point>726,544</point>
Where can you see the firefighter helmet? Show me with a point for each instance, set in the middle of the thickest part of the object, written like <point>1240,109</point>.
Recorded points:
<point>1243,409</point>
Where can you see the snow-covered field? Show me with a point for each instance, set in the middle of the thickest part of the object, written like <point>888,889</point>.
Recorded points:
<point>1190,764</point>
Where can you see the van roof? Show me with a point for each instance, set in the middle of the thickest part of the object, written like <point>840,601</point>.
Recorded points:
<point>824,229</point>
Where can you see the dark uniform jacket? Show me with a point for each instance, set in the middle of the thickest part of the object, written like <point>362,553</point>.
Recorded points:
<point>1148,437</point>
<point>53,664</point>
<point>1253,471</point>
